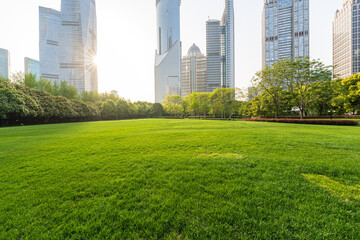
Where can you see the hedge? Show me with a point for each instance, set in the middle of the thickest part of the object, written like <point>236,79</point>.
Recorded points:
<point>23,105</point>
<point>306,121</point>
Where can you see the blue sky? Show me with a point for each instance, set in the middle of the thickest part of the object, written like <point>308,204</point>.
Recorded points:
<point>127,37</point>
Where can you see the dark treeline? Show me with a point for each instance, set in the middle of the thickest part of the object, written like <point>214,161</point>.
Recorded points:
<point>26,100</point>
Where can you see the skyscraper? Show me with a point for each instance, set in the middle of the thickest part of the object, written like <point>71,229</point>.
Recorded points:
<point>220,47</point>
<point>213,55</point>
<point>49,27</point>
<point>68,44</point>
<point>4,63</point>
<point>285,30</point>
<point>346,40</point>
<point>168,54</point>
<point>78,44</point>
<point>193,71</point>
<point>228,46</point>
<point>32,66</point>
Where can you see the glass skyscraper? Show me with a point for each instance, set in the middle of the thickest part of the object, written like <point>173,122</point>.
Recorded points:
<point>168,54</point>
<point>49,30</point>
<point>346,40</point>
<point>285,30</point>
<point>193,71</point>
<point>220,50</point>
<point>32,66</point>
<point>228,46</point>
<point>68,44</point>
<point>213,55</point>
<point>4,63</point>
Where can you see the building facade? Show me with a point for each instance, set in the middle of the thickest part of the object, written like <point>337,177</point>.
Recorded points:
<point>78,44</point>
<point>220,50</point>
<point>68,44</point>
<point>213,55</point>
<point>168,53</point>
<point>228,46</point>
<point>32,66</point>
<point>193,72</point>
<point>285,30</point>
<point>346,40</point>
<point>4,63</point>
<point>49,30</point>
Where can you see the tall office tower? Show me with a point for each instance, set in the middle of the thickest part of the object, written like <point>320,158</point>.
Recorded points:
<point>228,46</point>
<point>193,72</point>
<point>346,40</point>
<point>4,63</point>
<point>49,43</point>
<point>78,44</point>
<point>168,54</point>
<point>285,30</point>
<point>32,66</point>
<point>213,55</point>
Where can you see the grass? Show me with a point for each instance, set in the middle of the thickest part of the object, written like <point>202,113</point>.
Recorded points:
<point>179,179</point>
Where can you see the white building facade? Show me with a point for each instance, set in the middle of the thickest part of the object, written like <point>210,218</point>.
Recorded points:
<point>168,53</point>
<point>193,72</point>
<point>49,30</point>
<point>346,39</point>
<point>68,44</point>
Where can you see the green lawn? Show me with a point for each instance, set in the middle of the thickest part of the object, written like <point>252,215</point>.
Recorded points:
<point>187,179</point>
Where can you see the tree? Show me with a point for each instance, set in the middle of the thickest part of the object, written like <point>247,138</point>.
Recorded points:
<point>270,80</point>
<point>68,91</point>
<point>222,100</point>
<point>349,93</point>
<point>156,110</point>
<point>173,104</point>
<point>299,75</point>
<point>109,110</point>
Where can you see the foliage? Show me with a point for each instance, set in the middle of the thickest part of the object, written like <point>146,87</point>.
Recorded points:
<point>349,93</point>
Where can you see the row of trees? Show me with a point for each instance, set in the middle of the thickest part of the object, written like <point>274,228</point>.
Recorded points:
<point>302,86</point>
<point>221,103</point>
<point>291,87</point>
<point>26,100</point>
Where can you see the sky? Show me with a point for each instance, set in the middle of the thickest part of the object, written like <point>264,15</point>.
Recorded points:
<point>127,37</point>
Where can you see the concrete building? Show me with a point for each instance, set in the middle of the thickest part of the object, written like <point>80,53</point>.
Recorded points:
<point>168,53</point>
<point>346,39</point>
<point>4,63</point>
<point>32,66</point>
<point>193,72</point>
<point>68,44</point>
<point>285,30</point>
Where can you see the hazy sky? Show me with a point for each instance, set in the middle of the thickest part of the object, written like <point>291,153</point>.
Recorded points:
<point>127,37</point>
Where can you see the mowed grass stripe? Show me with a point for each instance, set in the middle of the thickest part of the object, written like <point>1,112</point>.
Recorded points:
<point>161,179</point>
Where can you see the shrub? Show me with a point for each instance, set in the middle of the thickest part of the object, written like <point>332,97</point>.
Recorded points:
<point>306,121</point>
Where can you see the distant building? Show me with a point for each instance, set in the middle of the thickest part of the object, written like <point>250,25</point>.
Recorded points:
<point>68,44</point>
<point>49,29</point>
<point>213,55</point>
<point>168,54</point>
<point>346,40</point>
<point>32,66</point>
<point>78,44</point>
<point>193,72</point>
<point>228,45</point>
<point>220,50</point>
<point>4,63</point>
<point>285,30</point>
